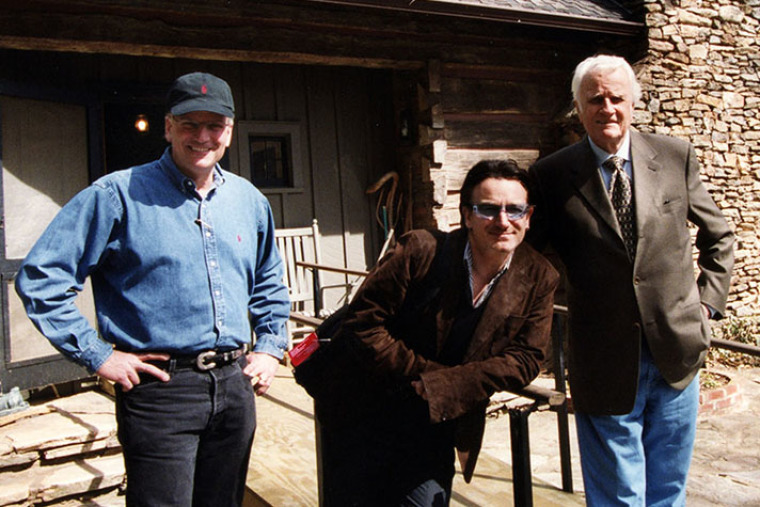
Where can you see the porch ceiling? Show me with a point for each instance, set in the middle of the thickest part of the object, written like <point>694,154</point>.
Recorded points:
<point>587,15</point>
<point>365,33</point>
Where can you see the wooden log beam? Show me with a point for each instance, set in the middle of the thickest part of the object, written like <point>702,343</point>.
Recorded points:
<point>287,32</point>
<point>233,55</point>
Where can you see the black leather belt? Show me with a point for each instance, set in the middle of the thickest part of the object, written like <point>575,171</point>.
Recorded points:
<point>204,361</point>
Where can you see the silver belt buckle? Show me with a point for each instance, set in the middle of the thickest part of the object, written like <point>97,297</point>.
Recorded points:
<point>200,360</point>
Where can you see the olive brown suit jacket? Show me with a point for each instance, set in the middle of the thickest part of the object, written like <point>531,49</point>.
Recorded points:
<point>615,302</point>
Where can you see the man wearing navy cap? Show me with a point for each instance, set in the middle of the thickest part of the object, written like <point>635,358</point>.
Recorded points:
<point>184,268</point>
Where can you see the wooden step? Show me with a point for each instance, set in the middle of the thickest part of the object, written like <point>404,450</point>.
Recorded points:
<point>283,467</point>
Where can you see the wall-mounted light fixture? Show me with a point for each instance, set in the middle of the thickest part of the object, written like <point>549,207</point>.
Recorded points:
<point>141,124</point>
<point>406,126</point>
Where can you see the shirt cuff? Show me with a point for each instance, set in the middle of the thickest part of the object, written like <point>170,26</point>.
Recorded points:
<point>96,354</point>
<point>271,344</point>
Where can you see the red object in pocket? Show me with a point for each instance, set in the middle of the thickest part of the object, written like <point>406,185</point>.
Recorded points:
<point>304,350</point>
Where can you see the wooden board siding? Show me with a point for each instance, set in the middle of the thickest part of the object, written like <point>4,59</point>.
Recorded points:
<point>340,109</point>
<point>491,112</point>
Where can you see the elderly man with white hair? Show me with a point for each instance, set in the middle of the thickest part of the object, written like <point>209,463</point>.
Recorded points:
<point>615,207</point>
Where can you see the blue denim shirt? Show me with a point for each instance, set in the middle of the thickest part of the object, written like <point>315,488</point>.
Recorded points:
<point>170,271</point>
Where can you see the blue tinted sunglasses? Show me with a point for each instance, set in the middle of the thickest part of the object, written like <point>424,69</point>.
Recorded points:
<point>491,211</point>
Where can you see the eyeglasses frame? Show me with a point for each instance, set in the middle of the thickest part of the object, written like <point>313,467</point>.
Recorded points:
<point>524,209</point>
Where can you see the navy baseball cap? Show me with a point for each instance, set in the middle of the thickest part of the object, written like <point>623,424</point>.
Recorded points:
<point>200,91</point>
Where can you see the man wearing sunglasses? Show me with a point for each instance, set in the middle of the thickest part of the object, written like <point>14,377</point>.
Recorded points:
<point>441,323</point>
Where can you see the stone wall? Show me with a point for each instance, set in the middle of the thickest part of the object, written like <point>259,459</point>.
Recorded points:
<point>700,74</point>
<point>701,82</point>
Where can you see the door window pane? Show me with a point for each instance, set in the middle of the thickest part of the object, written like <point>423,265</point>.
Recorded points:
<point>270,161</point>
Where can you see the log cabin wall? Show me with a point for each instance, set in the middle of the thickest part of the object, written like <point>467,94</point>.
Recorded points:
<point>471,88</point>
<point>488,112</point>
<point>370,91</point>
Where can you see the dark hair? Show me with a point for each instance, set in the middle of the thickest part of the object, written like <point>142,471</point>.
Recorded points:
<point>499,169</point>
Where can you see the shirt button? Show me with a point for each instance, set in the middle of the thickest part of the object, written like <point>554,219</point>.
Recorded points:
<point>217,292</point>
<point>212,263</point>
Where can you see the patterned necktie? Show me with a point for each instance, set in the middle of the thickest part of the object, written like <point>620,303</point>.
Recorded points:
<point>622,201</point>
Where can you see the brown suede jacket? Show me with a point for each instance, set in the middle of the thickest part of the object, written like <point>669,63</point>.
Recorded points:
<point>388,350</point>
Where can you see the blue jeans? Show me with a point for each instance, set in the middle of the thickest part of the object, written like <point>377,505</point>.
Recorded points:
<point>187,441</point>
<point>641,458</point>
<point>430,493</point>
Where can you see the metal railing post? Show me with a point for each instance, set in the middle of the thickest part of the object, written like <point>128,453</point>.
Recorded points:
<point>563,425</point>
<point>522,482</point>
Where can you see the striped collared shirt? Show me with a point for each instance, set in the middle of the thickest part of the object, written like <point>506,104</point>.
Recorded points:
<point>487,291</point>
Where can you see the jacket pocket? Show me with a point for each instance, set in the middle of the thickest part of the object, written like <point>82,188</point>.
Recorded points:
<point>671,204</point>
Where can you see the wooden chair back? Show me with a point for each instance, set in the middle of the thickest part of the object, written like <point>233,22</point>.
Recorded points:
<point>300,244</point>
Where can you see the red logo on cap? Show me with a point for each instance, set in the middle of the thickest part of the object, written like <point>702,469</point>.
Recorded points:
<point>204,89</point>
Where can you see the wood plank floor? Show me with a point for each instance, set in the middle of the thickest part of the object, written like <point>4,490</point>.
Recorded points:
<point>283,466</point>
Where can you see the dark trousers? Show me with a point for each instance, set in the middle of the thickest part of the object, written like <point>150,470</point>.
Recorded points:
<point>392,458</point>
<point>187,441</point>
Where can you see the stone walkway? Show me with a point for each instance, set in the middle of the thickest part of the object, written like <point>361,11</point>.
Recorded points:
<point>62,448</point>
<point>725,469</point>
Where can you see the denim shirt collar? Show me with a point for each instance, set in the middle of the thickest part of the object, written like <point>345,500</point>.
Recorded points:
<point>180,180</point>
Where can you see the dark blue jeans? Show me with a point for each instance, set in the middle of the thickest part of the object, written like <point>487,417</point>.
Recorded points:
<point>187,441</point>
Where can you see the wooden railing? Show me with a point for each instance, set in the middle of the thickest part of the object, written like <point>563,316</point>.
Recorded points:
<point>733,346</point>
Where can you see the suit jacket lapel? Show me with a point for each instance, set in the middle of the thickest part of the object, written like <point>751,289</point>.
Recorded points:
<point>646,183</point>
<point>588,181</point>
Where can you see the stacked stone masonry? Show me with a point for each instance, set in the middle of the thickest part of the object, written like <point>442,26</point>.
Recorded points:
<point>701,82</point>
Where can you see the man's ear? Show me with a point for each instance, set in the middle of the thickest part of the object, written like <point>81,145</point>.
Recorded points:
<point>527,217</point>
<point>167,129</point>
<point>229,136</point>
<point>466,213</point>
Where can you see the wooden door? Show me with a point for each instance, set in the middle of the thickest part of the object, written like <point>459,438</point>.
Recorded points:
<point>340,124</point>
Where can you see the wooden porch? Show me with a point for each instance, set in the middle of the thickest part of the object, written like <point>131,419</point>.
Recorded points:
<point>283,467</point>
